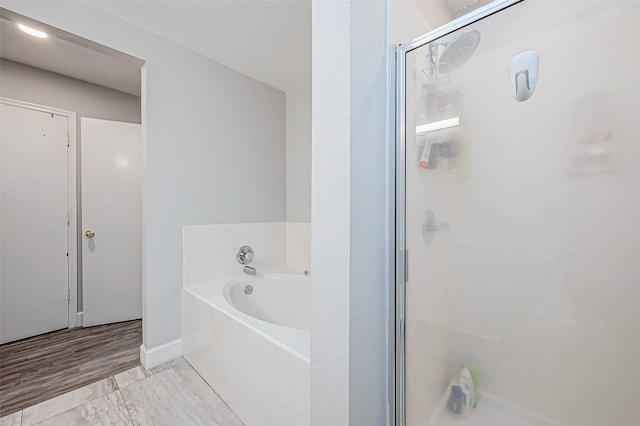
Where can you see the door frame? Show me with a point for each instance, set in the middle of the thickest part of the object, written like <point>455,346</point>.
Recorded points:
<point>397,304</point>
<point>72,201</point>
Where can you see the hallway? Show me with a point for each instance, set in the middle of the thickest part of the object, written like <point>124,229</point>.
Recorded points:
<point>38,368</point>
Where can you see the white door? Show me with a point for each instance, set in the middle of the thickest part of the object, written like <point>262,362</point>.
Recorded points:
<point>34,231</point>
<point>111,221</point>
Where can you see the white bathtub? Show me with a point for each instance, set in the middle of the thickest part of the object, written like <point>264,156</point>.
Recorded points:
<point>253,349</point>
<point>277,299</point>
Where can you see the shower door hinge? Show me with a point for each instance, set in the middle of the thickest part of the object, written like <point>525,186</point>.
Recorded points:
<point>68,140</point>
<point>68,296</point>
<point>68,218</point>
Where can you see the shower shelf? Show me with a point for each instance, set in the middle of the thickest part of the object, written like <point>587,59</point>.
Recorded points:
<point>490,411</point>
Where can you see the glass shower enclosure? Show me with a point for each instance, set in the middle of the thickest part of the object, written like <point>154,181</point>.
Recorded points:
<point>518,210</point>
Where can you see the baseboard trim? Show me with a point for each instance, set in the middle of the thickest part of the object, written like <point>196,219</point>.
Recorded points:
<point>80,319</point>
<point>153,357</point>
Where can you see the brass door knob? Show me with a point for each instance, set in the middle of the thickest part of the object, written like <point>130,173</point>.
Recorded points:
<point>89,234</point>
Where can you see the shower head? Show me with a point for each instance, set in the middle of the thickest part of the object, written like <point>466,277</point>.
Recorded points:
<point>458,52</point>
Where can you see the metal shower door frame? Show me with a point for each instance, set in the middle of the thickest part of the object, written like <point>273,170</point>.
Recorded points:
<point>398,366</point>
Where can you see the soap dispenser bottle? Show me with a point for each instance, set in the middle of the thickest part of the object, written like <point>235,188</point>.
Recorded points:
<point>462,397</point>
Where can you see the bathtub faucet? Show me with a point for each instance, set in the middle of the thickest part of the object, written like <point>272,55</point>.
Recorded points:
<point>247,269</point>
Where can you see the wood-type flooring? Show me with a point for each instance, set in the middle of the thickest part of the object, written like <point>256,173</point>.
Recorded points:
<point>38,368</point>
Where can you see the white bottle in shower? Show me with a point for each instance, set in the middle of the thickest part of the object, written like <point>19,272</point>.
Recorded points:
<point>461,399</point>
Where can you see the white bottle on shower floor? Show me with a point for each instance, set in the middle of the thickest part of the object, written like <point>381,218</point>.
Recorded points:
<point>461,399</point>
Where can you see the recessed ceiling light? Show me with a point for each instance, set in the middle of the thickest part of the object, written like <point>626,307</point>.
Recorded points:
<point>32,31</point>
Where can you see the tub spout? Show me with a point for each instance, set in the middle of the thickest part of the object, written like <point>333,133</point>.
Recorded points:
<point>251,270</point>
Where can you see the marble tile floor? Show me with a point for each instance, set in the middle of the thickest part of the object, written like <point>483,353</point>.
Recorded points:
<point>171,394</point>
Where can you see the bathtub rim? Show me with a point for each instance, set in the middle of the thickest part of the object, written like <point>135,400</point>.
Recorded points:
<point>292,340</point>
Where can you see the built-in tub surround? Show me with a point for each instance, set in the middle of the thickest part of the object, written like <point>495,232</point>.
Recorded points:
<point>298,246</point>
<point>251,344</point>
<point>248,335</point>
<point>209,250</point>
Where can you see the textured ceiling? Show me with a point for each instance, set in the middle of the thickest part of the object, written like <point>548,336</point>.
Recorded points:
<point>68,55</point>
<point>269,40</point>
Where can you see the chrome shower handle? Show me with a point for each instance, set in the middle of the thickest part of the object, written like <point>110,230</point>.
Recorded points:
<point>244,255</point>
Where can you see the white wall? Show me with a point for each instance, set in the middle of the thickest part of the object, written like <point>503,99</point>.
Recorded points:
<point>299,154</point>
<point>436,12</point>
<point>352,218</point>
<point>330,213</point>
<point>25,83</point>
<point>369,222</point>
<point>406,21</point>
<point>350,221</point>
<point>215,148</point>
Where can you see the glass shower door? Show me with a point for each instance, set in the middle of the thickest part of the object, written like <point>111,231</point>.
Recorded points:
<point>518,209</point>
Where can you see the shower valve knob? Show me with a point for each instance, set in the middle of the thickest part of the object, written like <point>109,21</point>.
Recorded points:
<point>244,255</point>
